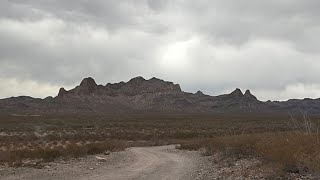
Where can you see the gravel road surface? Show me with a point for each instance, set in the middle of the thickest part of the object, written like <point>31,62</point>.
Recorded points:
<point>154,163</point>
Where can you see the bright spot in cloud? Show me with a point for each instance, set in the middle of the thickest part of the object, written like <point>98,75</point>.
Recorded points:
<point>176,56</point>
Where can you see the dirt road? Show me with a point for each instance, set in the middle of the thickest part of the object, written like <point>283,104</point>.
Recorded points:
<point>150,163</point>
<point>155,163</point>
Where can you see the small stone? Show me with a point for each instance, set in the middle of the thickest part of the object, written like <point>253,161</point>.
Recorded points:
<point>101,159</point>
<point>107,153</point>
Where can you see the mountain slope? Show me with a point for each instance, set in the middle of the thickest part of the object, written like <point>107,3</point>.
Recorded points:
<point>140,94</point>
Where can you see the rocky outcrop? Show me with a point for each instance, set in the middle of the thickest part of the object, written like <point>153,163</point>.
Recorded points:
<point>86,87</point>
<point>136,86</point>
<point>62,93</point>
<point>199,93</point>
<point>139,85</point>
<point>237,93</point>
<point>139,94</point>
<point>249,96</point>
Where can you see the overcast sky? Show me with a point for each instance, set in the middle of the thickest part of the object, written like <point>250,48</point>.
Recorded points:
<point>271,47</point>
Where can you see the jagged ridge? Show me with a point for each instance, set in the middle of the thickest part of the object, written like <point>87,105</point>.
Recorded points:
<point>135,86</point>
<point>147,95</point>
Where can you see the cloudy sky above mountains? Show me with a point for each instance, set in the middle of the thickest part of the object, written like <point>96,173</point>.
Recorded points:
<point>271,47</point>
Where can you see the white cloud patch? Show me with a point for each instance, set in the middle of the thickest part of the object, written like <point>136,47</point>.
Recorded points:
<point>23,88</point>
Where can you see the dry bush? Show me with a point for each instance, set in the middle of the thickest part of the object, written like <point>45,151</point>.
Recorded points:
<point>4,156</point>
<point>294,151</point>
<point>70,150</point>
<point>100,147</point>
<point>46,154</point>
<point>215,132</point>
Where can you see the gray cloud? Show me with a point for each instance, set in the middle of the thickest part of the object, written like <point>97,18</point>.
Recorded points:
<point>270,47</point>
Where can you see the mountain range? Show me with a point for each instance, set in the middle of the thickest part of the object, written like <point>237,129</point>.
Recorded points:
<point>154,94</point>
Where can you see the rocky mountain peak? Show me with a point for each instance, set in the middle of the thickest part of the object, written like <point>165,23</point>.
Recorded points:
<point>248,94</point>
<point>116,86</point>
<point>88,82</point>
<point>237,93</point>
<point>139,85</point>
<point>154,79</point>
<point>137,80</point>
<point>199,93</point>
<point>62,92</point>
<point>87,86</point>
<point>152,94</point>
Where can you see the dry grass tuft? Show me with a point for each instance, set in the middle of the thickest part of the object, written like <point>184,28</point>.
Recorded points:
<point>14,157</point>
<point>295,152</point>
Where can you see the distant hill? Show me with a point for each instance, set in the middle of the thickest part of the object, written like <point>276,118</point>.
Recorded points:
<point>154,94</point>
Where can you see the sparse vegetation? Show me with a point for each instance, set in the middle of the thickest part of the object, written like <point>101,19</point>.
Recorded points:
<point>296,151</point>
<point>278,140</point>
<point>50,152</point>
<point>289,149</point>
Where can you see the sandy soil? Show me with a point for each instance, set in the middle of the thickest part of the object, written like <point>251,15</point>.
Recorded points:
<point>162,162</point>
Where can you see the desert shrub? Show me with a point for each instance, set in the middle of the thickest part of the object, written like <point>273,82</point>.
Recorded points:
<point>292,150</point>
<point>185,134</point>
<point>214,132</point>
<point>70,150</point>
<point>74,150</point>
<point>96,148</point>
<point>236,146</point>
<point>4,156</point>
<point>48,154</point>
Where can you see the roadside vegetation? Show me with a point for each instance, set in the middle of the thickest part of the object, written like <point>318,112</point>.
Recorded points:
<point>288,143</point>
<point>293,151</point>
